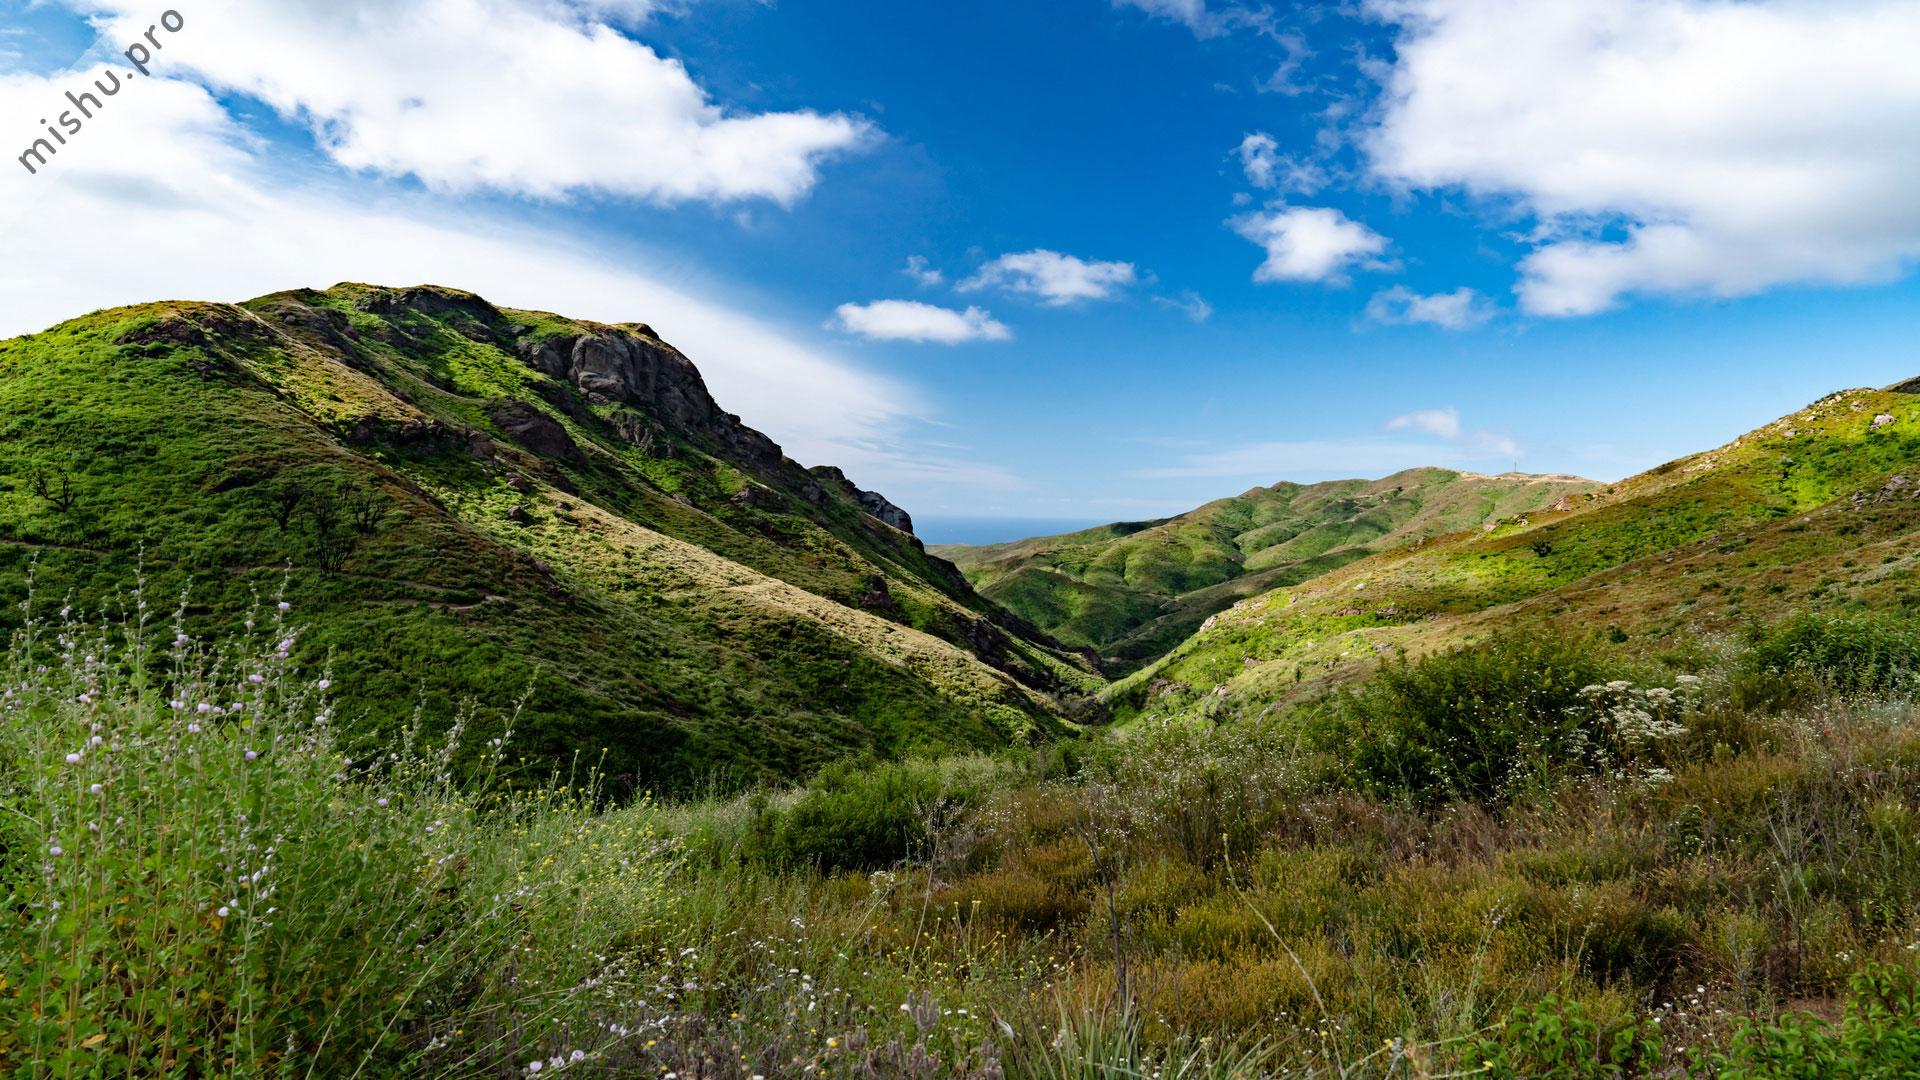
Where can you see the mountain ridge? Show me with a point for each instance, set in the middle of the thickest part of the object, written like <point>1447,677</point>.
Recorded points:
<point>471,503</point>
<point>1132,590</point>
<point>1817,510</point>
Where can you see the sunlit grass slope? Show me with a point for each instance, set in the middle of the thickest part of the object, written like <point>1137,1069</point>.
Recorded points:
<point>1136,589</point>
<point>1815,511</point>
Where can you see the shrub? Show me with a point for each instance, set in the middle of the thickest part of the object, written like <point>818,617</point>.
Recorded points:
<point>862,817</point>
<point>1878,1039</point>
<point>1848,653</point>
<point>1557,1039</point>
<point>1474,723</point>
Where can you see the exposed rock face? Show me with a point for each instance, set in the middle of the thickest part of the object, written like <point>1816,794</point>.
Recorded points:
<point>536,431</point>
<point>872,502</point>
<point>622,365</point>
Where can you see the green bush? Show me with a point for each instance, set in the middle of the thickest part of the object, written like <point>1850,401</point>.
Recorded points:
<point>1474,723</point>
<point>1878,1039</point>
<point>856,816</point>
<point>1848,653</point>
<point>1558,1040</point>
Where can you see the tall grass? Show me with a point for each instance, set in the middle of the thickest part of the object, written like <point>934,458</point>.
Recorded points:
<point>198,881</point>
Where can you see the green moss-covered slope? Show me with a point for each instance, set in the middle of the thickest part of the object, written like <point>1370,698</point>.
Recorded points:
<point>466,504</point>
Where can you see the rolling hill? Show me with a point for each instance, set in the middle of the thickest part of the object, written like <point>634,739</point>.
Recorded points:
<point>1817,511</point>
<point>1134,590</point>
<point>465,504</point>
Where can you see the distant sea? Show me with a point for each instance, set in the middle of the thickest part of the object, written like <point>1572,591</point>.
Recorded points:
<point>971,530</point>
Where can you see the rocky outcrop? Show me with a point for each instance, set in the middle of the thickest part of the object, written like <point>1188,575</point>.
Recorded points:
<point>536,431</point>
<point>872,502</point>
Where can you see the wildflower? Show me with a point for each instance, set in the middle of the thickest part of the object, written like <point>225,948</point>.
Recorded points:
<point>284,606</point>
<point>193,729</point>
<point>535,1066</point>
<point>95,741</point>
<point>256,678</point>
<point>73,759</point>
<point>251,754</point>
<point>381,802</point>
<point>224,911</point>
<point>55,850</point>
<point>325,684</point>
<point>203,708</point>
<point>95,789</point>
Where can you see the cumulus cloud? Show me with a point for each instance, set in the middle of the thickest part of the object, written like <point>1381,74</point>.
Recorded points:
<point>1270,170</point>
<point>1678,147</point>
<point>1461,309</point>
<point>164,195</point>
<point>541,98</point>
<point>911,320</point>
<point>1058,280</point>
<point>1309,243</point>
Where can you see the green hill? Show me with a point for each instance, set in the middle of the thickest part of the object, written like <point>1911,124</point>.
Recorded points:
<point>465,504</point>
<point>1134,590</point>
<point>1816,511</point>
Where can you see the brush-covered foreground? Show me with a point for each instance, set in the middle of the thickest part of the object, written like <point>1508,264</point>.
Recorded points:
<point>1536,858</point>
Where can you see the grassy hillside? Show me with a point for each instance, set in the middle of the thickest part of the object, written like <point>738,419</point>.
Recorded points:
<point>1816,511</point>
<point>1134,590</point>
<point>472,504</point>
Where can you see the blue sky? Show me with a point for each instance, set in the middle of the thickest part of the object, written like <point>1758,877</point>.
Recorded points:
<point>1183,247</point>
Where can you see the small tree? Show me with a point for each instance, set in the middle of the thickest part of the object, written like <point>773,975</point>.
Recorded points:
<point>56,489</point>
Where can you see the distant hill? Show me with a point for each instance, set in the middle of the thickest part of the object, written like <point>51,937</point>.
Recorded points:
<point>465,503</point>
<point>1817,511</point>
<point>1134,590</point>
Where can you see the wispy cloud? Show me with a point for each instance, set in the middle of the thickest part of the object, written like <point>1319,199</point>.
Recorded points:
<point>1428,437</point>
<point>1461,309</point>
<point>924,273</point>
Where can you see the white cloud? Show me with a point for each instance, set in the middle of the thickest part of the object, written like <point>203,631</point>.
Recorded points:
<point>911,320</point>
<point>1270,170</point>
<point>1680,147</point>
<point>1306,243</point>
<point>164,196</point>
<point>533,97</point>
<point>1189,303</point>
<point>1449,445</point>
<point>1059,280</point>
<point>924,273</point>
<point>1192,13</point>
<point>1444,423</point>
<point>1461,309</point>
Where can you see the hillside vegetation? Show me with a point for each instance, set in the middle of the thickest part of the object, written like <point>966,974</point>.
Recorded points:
<point>477,504</point>
<point>1134,590</point>
<point>1816,511</point>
